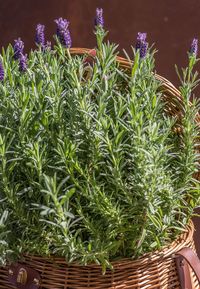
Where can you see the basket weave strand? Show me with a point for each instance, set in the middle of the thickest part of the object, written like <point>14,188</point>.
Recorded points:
<point>156,270</point>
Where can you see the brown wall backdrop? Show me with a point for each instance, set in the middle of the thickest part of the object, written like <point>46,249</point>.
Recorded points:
<point>170,24</point>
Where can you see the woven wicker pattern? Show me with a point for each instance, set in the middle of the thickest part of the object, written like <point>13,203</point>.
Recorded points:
<point>156,270</point>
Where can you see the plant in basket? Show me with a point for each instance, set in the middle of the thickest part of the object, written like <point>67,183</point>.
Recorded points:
<point>99,161</point>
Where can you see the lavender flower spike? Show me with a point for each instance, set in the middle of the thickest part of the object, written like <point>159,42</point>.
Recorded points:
<point>194,47</point>
<point>1,72</point>
<point>141,38</point>
<point>23,62</point>
<point>40,37</point>
<point>99,20</point>
<point>143,49</point>
<point>18,48</point>
<point>62,24</point>
<point>67,39</point>
<point>142,44</point>
<point>63,32</point>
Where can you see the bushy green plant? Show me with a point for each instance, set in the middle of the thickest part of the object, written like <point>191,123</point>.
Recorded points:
<point>91,168</point>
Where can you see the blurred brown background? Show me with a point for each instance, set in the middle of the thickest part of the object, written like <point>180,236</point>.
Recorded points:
<point>170,24</point>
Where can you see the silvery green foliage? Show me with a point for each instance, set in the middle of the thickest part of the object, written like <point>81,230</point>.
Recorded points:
<point>4,235</point>
<point>91,169</point>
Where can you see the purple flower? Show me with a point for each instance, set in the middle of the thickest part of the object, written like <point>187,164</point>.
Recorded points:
<point>141,38</point>
<point>1,72</point>
<point>143,49</point>
<point>18,48</point>
<point>141,44</point>
<point>23,62</point>
<point>99,21</point>
<point>63,32</point>
<point>40,37</point>
<point>194,47</point>
<point>67,41</point>
<point>62,24</point>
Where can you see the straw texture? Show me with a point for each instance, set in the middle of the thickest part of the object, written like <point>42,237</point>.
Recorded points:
<point>157,270</point>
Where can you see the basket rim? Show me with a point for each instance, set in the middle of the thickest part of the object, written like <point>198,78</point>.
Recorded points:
<point>167,86</point>
<point>124,63</point>
<point>168,250</point>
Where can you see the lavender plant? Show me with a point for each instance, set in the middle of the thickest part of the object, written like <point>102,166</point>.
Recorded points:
<point>91,168</point>
<point>63,32</point>
<point>22,62</point>
<point>1,72</point>
<point>40,37</point>
<point>18,48</point>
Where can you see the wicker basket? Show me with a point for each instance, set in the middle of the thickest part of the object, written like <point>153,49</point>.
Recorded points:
<point>163,269</point>
<point>157,270</point>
